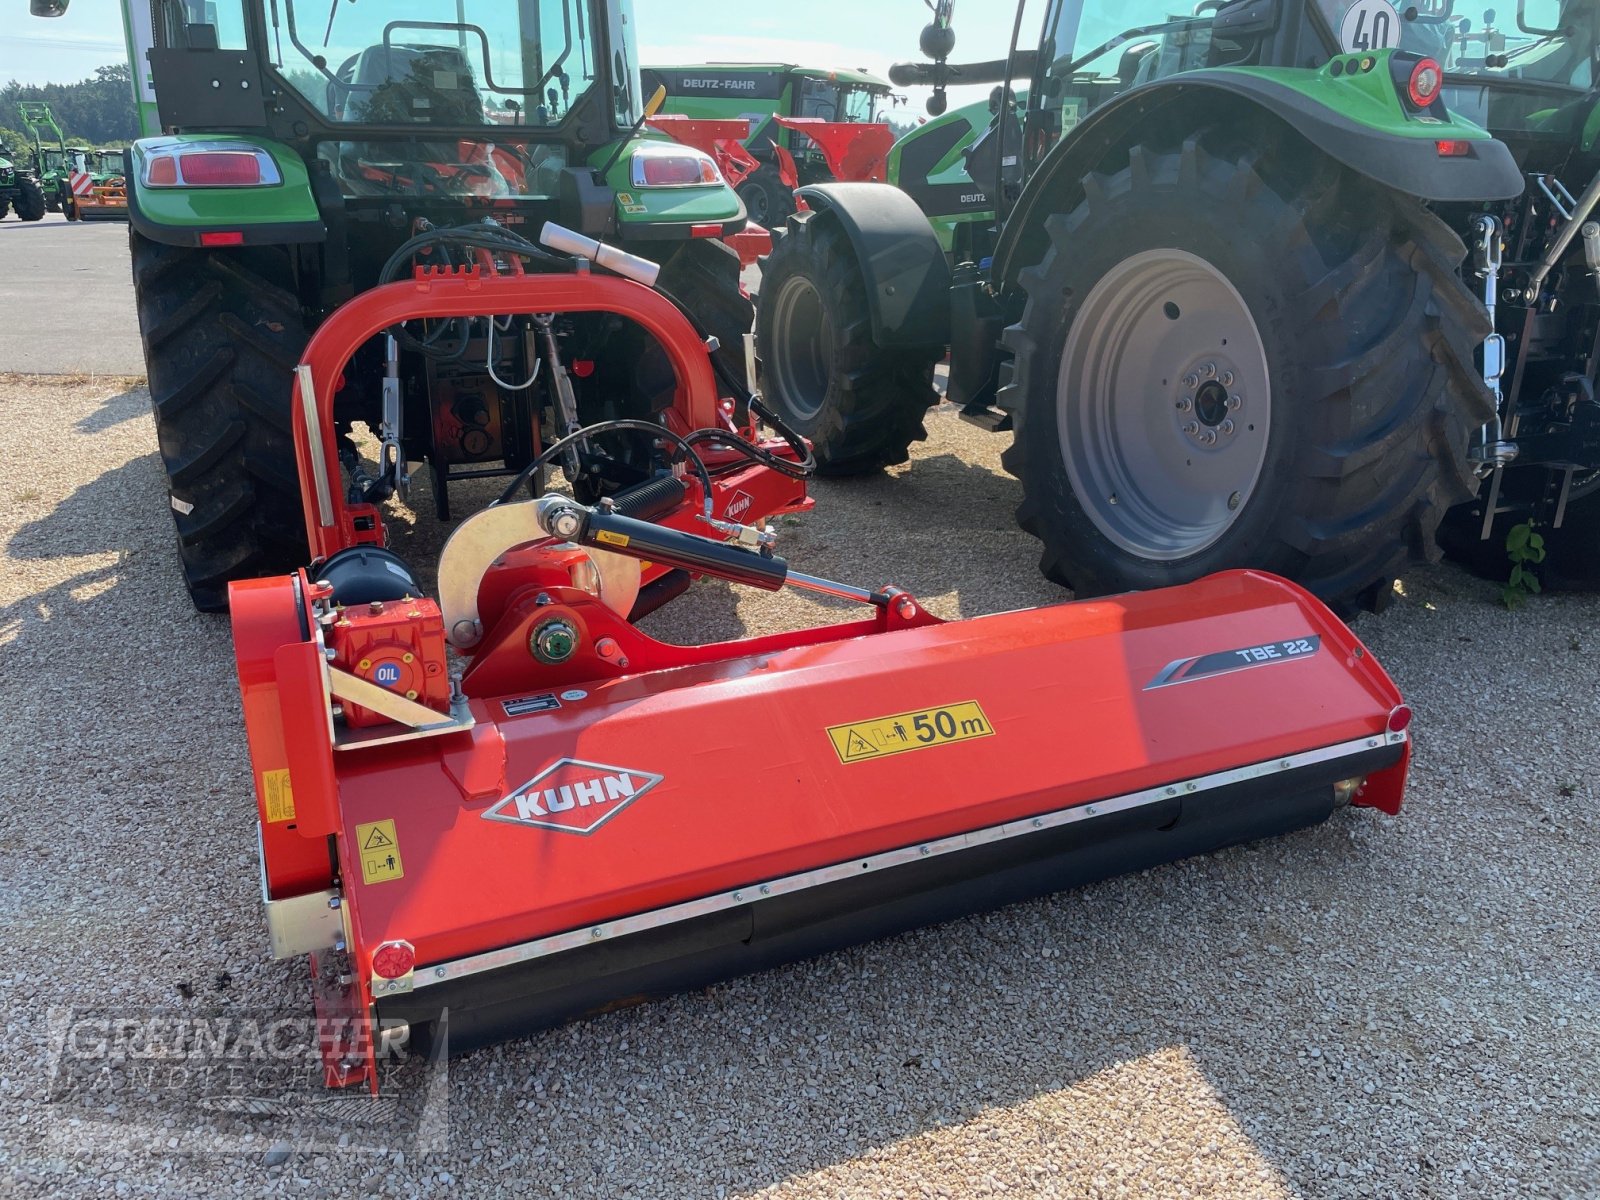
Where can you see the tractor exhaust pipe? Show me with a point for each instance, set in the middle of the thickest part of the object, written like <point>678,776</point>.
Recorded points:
<point>640,270</point>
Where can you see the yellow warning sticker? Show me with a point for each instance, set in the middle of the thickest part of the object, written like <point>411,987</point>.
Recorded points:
<point>276,796</point>
<point>915,730</point>
<point>379,849</point>
<point>611,539</point>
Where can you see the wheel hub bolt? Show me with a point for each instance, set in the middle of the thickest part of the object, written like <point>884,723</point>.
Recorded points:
<point>1208,438</point>
<point>1234,501</point>
<point>1209,370</point>
<point>1192,428</point>
<point>1235,404</point>
<point>1185,404</point>
<point>1225,428</point>
<point>1191,381</point>
<point>1227,379</point>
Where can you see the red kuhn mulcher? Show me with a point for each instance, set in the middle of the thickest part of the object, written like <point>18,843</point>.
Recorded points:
<point>504,806</point>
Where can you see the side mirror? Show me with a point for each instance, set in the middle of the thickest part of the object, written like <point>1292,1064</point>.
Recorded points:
<point>48,8</point>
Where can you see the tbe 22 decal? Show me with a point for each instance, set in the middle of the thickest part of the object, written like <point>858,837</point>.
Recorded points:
<point>1223,662</point>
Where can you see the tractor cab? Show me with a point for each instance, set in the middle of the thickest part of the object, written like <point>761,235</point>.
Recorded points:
<point>449,105</point>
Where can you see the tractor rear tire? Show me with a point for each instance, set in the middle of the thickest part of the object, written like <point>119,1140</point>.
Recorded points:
<point>1572,553</point>
<point>860,404</point>
<point>30,200</point>
<point>768,201</point>
<point>222,334</point>
<point>1236,353</point>
<point>703,276</point>
<point>5,207</point>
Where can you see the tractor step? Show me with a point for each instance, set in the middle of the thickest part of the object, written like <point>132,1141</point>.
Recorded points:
<point>990,420</point>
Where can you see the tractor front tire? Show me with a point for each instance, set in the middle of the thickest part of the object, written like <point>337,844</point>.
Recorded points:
<point>768,201</point>
<point>1236,353</point>
<point>222,334</point>
<point>30,200</point>
<point>860,405</point>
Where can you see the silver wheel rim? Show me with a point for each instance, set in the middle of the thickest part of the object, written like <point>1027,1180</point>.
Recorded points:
<point>801,360</point>
<point>1163,405</point>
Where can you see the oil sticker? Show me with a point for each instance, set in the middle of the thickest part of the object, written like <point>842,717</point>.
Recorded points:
<point>915,730</point>
<point>379,849</point>
<point>611,539</point>
<point>277,796</point>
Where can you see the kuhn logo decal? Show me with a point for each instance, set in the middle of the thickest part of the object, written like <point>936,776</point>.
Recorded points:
<point>573,796</point>
<point>738,504</point>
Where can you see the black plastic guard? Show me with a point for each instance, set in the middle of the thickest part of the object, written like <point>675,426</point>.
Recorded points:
<point>907,278</point>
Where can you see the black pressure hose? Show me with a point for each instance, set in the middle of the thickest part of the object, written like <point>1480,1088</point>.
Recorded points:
<point>803,469</point>
<point>624,423</point>
<point>487,235</point>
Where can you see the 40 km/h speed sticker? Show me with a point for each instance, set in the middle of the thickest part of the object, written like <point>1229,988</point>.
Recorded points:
<point>915,730</point>
<point>1369,25</point>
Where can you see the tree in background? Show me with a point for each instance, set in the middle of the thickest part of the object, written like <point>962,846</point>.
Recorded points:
<point>97,111</point>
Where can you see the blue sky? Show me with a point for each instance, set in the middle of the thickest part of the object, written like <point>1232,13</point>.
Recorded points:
<point>835,33</point>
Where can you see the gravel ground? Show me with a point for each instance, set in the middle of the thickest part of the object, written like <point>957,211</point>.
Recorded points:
<point>1372,1008</point>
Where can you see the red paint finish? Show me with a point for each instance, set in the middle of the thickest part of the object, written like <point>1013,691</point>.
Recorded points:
<point>469,293</point>
<point>721,139</point>
<point>853,151</point>
<point>398,645</point>
<point>750,787</point>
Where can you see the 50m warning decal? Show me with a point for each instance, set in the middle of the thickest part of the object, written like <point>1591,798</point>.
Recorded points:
<point>915,730</point>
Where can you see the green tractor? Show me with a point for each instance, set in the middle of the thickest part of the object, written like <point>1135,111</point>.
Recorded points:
<point>297,155</point>
<point>20,190</point>
<point>764,93</point>
<point>1259,285</point>
<point>52,163</point>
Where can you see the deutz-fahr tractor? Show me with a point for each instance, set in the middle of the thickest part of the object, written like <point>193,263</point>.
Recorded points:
<point>765,94</point>
<point>1273,283</point>
<point>297,155</point>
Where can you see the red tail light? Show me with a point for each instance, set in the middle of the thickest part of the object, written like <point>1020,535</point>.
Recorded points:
<point>673,166</point>
<point>1399,718</point>
<point>223,237</point>
<point>210,164</point>
<point>1426,79</point>
<point>393,960</point>
<point>222,168</point>
<point>1454,148</point>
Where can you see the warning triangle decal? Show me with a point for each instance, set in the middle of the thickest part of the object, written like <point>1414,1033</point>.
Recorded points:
<point>376,840</point>
<point>857,746</point>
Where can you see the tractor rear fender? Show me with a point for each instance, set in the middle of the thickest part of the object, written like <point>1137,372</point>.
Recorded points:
<point>277,213</point>
<point>1409,163</point>
<point>902,263</point>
